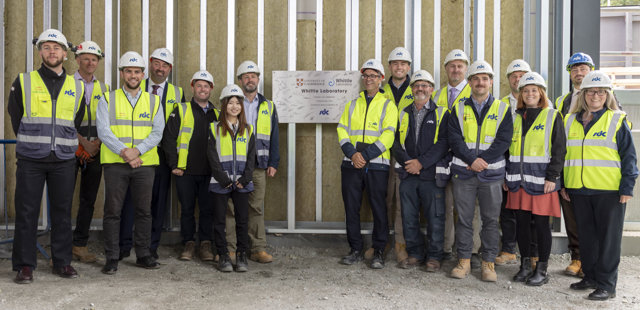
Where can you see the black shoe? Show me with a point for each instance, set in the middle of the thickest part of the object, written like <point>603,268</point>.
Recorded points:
<point>147,262</point>
<point>584,284</point>
<point>154,253</point>
<point>65,272</point>
<point>540,276</point>
<point>525,270</point>
<point>476,262</point>
<point>353,257</point>
<point>224,263</point>
<point>600,294</point>
<point>124,254</point>
<point>447,256</point>
<point>110,267</point>
<point>242,265</point>
<point>378,259</point>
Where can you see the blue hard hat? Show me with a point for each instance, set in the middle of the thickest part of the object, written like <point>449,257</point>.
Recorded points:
<point>580,58</point>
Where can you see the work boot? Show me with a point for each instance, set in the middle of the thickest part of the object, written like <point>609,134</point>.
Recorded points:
<point>353,257</point>
<point>242,265</point>
<point>261,257</point>
<point>409,262</point>
<point>574,268</point>
<point>188,251</point>
<point>534,261</point>
<point>401,252</point>
<point>461,270</point>
<point>378,259</point>
<point>506,258</point>
<point>368,254</point>
<point>82,254</point>
<point>476,262</point>
<point>525,270</point>
<point>206,255</point>
<point>540,276</point>
<point>433,265</point>
<point>224,264</point>
<point>489,272</point>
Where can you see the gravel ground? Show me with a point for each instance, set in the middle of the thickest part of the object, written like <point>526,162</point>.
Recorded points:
<point>301,277</point>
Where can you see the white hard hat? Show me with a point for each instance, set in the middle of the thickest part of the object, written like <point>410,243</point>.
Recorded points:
<point>89,47</point>
<point>532,78</point>
<point>163,54</point>
<point>400,53</point>
<point>231,90</point>
<point>596,78</point>
<point>131,59</point>
<point>202,75</point>
<point>518,65</point>
<point>52,35</point>
<point>422,75</point>
<point>478,67</point>
<point>373,64</point>
<point>456,54</point>
<point>247,66</point>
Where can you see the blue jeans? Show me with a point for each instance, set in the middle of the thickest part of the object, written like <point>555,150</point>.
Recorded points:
<point>417,195</point>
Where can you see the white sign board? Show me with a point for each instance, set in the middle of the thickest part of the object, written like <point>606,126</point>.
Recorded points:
<point>313,96</point>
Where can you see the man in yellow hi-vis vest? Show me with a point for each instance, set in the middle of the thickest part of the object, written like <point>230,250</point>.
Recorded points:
<point>130,125</point>
<point>46,107</point>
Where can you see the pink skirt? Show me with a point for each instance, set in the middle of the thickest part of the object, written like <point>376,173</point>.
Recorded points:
<point>545,205</point>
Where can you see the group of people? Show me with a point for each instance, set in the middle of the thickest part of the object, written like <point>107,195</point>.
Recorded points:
<point>139,136</point>
<point>517,160</point>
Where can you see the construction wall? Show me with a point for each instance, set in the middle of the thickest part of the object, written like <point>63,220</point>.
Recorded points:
<point>186,51</point>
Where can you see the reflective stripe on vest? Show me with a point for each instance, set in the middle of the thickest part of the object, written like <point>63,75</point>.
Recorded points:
<point>404,129</point>
<point>263,133</point>
<point>441,97</point>
<point>405,101</point>
<point>47,125</point>
<point>529,156</point>
<point>187,123</point>
<point>131,125</point>
<point>88,127</point>
<point>232,154</point>
<point>592,160</point>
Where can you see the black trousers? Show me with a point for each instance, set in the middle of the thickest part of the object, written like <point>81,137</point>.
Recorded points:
<point>191,188</point>
<point>30,179</point>
<point>90,176</point>
<point>220,203</point>
<point>532,228</point>
<point>600,219</point>
<point>509,227</point>
<point>354,182</point>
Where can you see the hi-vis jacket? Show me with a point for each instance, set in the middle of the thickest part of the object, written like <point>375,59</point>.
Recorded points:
<point>172,95</point>
<point>441,97</point>
<point>232,158</point>
<point>368,128</point>
<point>267,137</point>
<point>88,126</point>
<point>405,100</point>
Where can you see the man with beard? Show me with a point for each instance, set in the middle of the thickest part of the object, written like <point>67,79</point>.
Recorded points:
<point>88,55</point>
<point>480,132</point>
<point>46,107</point>
<point>261,113</point>
<point>130,125</point>
<point>160,66</point>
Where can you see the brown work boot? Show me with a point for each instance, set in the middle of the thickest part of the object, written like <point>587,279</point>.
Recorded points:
<point>261,257</point>
<point>206,254</point>
<point>409,262</point>
<point>401,252</point>
<point>489,272</point>
<point>461,270</point>
<point>368,254</point>
<point>534,262</point>
<point>82,254</point>
<point>574,268</point>
<point>506,258</point>
<point>433,265</point>
<point>188,251</point>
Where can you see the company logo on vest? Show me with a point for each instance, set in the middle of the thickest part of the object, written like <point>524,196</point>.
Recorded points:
<point>144,115</point>
<point>600,134</point>
<point>70,93</point>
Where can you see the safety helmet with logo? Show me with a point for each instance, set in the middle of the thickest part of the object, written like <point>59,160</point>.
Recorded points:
<point>422,75</point>
<point>532,78</point>
<point>373,64</point>
<point>596,78</point>
<point>580,58</point>
<point>131,59</point>
<point>400,53</point>
<point>478,67</point>
<point>88,47</point>
<point>247,66</point>
<point>202,75</point>
<point>162,54</point>
<point>518,65</point>
<point>52,35</point>
<point>231,90</point>
<point>456,54</point>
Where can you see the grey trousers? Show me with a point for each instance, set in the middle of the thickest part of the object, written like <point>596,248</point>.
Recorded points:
<point>449,223</point>
<point>117,179</point>
<point>489,196</point>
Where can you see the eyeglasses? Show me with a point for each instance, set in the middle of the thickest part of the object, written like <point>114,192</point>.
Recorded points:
<point>416,86</point>
<point>593,92</point>
<point>370,76</point>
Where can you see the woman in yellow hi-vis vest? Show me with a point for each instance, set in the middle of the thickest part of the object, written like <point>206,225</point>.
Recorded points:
<point>232,153</point>
<point>600,171</point>
<point>536,156</point>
